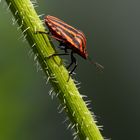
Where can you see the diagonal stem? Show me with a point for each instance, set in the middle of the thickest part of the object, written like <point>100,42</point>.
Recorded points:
<point>69,96</point>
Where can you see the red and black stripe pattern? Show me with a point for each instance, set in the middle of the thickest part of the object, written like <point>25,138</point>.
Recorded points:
<point>73,38</point>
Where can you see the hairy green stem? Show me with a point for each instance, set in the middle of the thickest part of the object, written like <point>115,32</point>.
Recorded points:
<point>69,96</point>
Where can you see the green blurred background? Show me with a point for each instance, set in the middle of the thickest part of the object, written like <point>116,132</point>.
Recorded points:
<point>112,29</point>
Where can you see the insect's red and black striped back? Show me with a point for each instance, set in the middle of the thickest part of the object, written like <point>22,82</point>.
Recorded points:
<point>73,38</point>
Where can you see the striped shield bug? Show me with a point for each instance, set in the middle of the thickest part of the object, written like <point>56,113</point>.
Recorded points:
<point>69,38</point>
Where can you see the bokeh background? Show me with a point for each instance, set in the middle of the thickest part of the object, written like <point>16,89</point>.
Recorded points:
<point>112,29</point>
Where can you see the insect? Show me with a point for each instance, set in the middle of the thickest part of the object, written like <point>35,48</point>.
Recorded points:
<point>69,38</point>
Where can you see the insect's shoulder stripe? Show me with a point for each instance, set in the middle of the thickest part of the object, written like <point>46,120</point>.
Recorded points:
<point>63,28</point>
<point>62,23</point>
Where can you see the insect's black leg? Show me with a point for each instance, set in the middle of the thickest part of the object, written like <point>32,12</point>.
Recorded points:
<point>57,54</point>
<point>62,47</point>
<point>65,50</point>
<point>73,61</point>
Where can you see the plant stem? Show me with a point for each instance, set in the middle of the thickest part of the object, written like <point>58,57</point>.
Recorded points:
<point>69,96</point>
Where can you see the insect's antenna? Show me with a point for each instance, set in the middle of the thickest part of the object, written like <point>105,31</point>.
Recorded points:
<point>97,65</point>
